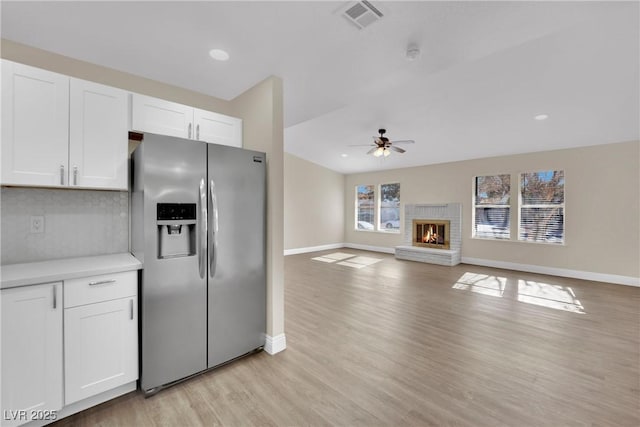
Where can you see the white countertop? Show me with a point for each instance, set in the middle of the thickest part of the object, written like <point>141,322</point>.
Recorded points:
<point>33,273</point>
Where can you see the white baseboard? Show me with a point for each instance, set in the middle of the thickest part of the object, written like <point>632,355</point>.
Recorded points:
<point>275,344</point>
<point>339,246</point>
<point>382,249</point>
<point>562,272</point>
<point>313,249</point>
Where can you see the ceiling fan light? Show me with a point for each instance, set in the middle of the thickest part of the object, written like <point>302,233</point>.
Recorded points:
<point>378,152</point>
<point>386,152</point>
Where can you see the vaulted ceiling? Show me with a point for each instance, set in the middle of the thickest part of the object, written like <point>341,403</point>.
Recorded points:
<point>484,71</point>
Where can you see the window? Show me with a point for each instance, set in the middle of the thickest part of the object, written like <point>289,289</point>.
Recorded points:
<point>365,207</point>
<point>389,207</point>
<point>542,207</point>
<point>378,207</point>
<point>492,207</point>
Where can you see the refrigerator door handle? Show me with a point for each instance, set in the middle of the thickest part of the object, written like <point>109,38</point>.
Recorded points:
<point>202,201</point>
<point>213,247</point>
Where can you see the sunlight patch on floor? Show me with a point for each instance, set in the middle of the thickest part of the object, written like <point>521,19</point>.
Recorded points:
<point>482,284</point>
<point>348,260</point>
<point>557,297</point>
<point>323,259</point>
<point>551,296</point>
<point>338,256</point>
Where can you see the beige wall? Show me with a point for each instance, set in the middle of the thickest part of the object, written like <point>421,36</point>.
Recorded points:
<point>313,204</point>
<point>602,198</point>
<point>84,70</point>
<point>260,108</point>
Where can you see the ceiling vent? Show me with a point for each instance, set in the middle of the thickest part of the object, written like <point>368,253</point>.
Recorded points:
<point>362,14</point>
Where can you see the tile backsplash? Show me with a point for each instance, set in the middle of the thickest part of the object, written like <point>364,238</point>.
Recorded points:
<point>76,223</point>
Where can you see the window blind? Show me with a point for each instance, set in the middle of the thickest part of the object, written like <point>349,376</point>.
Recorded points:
<point>541,216</point>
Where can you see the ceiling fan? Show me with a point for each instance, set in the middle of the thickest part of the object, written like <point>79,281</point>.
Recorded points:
<point>383,147</point>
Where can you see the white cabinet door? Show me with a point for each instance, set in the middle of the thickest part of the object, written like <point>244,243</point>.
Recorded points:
<point>217,128</point>
<point>31,351</point>
<point>35,126</point>
<point>98,142</point>
<point>162,117</point>
<point>101,347</point>
<point>169,118</point>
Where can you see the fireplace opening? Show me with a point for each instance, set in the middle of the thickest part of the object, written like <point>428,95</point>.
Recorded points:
<point>431,233</point>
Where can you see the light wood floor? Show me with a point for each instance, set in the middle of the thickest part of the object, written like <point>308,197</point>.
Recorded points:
<point>404,343</point>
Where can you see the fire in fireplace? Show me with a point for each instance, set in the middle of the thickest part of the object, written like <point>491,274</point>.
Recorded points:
<point>431,233</point>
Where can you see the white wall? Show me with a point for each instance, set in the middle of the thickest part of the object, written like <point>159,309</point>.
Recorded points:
<point>313,205</point>
<point>602,198</point>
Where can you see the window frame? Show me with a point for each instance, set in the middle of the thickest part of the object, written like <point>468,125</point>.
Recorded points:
<point>357,209</point>
<point>475,205</point>
<point>378,225</point>
<point>377,205</point>
<point>562,206</point>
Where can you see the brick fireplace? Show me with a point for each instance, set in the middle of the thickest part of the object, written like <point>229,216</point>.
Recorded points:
<point>433,233</point>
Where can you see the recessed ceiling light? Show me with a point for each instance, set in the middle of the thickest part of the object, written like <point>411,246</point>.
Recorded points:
<point>219,54</point>
<point>541,117</point>
<point>343,155</point>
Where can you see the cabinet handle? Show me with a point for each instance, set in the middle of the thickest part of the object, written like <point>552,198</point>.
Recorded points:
<point>75,175</point>
<point>189,130</point>
<point>61,174</point>
<point>55,296</point>
<point>131,308</point>
<point>198,132</point>
<point>102,282</point>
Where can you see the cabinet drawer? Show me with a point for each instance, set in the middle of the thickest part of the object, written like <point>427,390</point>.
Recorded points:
<point>105,287</point>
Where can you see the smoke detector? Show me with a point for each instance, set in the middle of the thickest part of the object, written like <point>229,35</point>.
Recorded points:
<point>362,14</point>
<point>412,53</point>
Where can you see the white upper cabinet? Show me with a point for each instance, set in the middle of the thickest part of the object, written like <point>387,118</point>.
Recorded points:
<point>217,128</point>
<point>59,131</point>
<point>35,126</point>
<point>169,118</point>
<point>31,351</point>
<point>162,117</point>
<point>98,139</point>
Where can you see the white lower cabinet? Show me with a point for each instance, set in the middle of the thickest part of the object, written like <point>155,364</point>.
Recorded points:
<point>32,385</point>
<point>101,334</point>
<point>42,383</point>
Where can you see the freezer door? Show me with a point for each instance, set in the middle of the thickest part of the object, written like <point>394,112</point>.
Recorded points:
<point>237,260</point>
<point>170,184</point>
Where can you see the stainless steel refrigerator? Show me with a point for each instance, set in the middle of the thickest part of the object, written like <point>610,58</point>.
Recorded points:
<point>198,227</point>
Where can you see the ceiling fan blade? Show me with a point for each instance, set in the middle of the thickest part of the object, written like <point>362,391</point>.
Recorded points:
<point>404,141</point>
<point>378,140</point>
<point>372,150</point>
<point>362,145</point>
<point>398,149</point>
